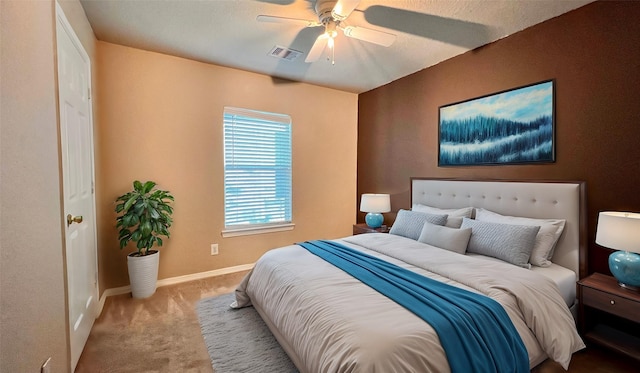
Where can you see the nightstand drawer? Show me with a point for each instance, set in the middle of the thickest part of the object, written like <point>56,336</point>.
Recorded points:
<point>610,303</point>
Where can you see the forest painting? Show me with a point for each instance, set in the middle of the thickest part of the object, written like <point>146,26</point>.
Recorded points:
<point>514,126</point>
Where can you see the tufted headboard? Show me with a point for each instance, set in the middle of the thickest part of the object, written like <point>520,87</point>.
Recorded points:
<point>533,199</point>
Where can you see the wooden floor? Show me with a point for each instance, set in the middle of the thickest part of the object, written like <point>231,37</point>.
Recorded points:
<point>162,334</point>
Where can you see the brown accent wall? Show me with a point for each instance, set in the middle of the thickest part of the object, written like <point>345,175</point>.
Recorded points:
<point>160,118</point>
<point>592,53</point>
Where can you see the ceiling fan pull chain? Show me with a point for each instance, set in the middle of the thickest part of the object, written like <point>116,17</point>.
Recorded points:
<point>333,56</point>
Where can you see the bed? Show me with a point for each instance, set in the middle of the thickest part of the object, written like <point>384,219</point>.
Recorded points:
<point>328,321</point>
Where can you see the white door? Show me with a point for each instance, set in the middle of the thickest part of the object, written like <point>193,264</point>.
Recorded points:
<point>76,140</point>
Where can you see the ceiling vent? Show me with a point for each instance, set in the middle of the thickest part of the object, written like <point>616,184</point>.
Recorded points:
<point>284,53</point>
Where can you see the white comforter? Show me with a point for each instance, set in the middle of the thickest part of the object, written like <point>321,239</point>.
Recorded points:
<point>331,322</point>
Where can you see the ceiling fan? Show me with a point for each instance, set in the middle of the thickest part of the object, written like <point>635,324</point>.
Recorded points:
<point>331,13</point>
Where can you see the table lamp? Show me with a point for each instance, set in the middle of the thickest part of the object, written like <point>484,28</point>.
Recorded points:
<point>621,231</point>
<point>374,205</point>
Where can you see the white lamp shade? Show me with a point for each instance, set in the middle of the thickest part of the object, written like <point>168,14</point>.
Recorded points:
<point>619,231</point>
<point>375,203</point>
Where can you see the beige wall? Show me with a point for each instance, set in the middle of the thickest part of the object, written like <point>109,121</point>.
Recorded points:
<point>160,118</point>
<point>33,317</point>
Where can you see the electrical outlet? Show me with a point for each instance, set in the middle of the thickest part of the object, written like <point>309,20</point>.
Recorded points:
<point>46,367</point>
<point>214,249</point>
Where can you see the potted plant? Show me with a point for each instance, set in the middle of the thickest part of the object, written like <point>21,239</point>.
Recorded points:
<point>144,216</point>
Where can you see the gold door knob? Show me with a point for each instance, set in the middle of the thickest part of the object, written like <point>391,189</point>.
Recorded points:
<point>73,219</point>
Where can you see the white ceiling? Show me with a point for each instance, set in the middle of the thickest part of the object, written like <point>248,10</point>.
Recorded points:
<point>226,32</point>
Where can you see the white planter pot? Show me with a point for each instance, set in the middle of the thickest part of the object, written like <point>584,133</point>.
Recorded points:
<point>143,274</point>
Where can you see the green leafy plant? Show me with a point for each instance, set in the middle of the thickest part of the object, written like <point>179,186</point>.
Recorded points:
<point>144,216</point>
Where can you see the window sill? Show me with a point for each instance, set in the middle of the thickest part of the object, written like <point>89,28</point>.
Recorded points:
<point>235,232</point>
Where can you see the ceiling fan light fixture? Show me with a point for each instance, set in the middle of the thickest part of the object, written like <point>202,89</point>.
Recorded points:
<point>330,27</point>
<point>330,42</point>
<point>331,13</point>
<point>330,32</point>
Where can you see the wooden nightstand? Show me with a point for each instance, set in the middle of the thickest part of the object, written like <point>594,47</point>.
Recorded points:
<point>609,315</point>
<point>363,228</point>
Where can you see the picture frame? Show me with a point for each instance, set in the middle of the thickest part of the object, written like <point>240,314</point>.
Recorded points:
<point>514,126</point>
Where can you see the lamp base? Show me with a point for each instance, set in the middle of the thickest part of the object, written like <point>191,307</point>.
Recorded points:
<point>634,288</point>
<point>625,267</point>
<point>374,220</point>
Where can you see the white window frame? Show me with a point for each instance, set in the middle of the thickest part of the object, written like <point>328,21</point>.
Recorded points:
<point>255,228</point>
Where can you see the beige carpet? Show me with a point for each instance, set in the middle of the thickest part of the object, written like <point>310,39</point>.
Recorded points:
<point>162,334</point>
<point>157,334</point>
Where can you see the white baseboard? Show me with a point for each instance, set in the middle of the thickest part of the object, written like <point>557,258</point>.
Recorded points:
<point>175,280</point>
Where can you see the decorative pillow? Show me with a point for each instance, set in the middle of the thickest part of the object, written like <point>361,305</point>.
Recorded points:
<point>409,223</point>
<point>454,216</point>
<point>511,243</point>
<point>546,239</point>
<point>452,239</point>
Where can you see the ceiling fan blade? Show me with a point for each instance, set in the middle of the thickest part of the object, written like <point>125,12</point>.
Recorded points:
<point>448,30</point>
<point>343,8</point>
<point>317,49</point>
<point>372,36</point>
<point>295,21</point>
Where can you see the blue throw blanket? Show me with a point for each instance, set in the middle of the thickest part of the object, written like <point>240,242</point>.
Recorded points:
<point>474,330</point>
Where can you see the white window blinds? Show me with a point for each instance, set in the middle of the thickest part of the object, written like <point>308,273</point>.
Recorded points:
<point>257,168</point>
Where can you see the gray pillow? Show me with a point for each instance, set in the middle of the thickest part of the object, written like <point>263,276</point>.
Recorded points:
<point>546,239</point>
<point>511,243</point>
<point>454,216</point>
<point>409,223</point>
<point>447,238</point>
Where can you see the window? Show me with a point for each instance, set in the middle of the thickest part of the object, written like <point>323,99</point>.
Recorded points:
<point>257,172</point>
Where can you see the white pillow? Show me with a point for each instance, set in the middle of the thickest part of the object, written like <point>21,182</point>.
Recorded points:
<point>511,243</point>
<point>409,223</point>
<point>452,239</point>
<point>546,239</point>
<point>454,216</point>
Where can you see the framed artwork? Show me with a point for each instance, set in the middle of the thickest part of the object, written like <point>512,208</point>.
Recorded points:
<point>508,127</point>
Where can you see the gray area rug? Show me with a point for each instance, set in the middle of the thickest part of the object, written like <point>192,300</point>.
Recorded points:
<point>238,340</point>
